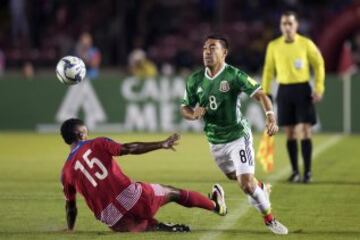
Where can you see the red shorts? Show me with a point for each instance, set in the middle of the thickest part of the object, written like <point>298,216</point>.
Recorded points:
<point>141,217</point>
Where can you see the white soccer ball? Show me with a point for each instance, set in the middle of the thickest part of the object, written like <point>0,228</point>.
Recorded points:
<point>70,70</point>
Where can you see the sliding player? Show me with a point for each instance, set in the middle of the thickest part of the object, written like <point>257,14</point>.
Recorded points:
<point>116,200</point>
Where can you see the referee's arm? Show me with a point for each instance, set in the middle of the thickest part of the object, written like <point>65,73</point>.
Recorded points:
<point>269,69</point>
<point>317,63</point>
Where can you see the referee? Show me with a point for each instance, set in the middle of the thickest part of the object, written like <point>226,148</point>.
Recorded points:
<point>288,59</point>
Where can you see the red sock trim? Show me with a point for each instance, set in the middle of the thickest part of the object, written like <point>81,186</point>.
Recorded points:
<point>268,218</point>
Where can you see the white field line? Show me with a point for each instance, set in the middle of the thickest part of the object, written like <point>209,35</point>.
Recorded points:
<point>244,206</point>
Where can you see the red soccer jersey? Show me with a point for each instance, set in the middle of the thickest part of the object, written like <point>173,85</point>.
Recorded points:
<point>91,170</point>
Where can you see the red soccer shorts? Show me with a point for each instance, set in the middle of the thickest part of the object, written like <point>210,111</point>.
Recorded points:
<point>141,217</point>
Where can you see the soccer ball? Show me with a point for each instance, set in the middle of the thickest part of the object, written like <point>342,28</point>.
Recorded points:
<point>70,70</point>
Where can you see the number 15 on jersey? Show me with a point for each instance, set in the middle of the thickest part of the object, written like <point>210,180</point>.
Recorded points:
<point>90,164</point>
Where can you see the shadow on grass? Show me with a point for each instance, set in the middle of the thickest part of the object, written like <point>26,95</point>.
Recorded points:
<point>322,182</point>
<point>202,231</point>
<point>265,232</point>
<point>231,231</point>
<point>335,232</point>
<point>336,182</point>
<point>98,233</point>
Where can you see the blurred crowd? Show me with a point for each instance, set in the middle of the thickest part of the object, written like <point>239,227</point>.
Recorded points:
<point>145,37</point>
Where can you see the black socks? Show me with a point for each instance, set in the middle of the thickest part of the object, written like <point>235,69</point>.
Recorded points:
<point>293,154</point>
<point>306,149</point>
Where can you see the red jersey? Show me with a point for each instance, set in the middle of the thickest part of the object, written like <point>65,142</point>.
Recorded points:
<point>91,170</point>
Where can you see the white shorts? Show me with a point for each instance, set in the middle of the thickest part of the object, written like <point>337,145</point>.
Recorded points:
<point>237,155</point>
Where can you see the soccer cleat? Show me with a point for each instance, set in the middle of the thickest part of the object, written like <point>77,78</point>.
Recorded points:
<point>307,177</point>
<point>277,227</point>
<point>294,178</point>
<point>172,227</point>
<point>218,196</point>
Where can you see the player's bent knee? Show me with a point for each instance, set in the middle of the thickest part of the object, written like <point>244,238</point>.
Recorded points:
<point>172,193</point>
<point>247,188</point>
<point>246,183</point>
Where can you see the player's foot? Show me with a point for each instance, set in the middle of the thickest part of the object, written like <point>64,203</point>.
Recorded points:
<point>218,196</point>
<point>294,177</point>
<point>307,177</point>
<point>172,227</point>
<point>277,227</point>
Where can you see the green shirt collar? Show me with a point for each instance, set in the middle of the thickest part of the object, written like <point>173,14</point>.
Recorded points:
<point>216,75</point>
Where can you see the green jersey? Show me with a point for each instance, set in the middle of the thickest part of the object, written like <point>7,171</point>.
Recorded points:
<point>220,95</point>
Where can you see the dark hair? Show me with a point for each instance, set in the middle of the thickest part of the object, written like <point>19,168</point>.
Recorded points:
<point>223,41</point>
<point>290,13</point>
<point>68,130</point>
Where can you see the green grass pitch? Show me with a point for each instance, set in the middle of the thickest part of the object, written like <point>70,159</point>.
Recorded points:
<point>32,204</point>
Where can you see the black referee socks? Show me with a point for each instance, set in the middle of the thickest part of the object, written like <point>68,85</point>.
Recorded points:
<point>293,154</point>
<point>306,149</point>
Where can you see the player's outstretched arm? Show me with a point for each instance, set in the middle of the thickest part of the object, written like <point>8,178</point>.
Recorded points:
<point>192,114</point>
<point>144,147</point>
<point>71,213</point>
<point>271,124</point>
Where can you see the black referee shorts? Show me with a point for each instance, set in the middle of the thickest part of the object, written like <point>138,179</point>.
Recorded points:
<point>295,104</point>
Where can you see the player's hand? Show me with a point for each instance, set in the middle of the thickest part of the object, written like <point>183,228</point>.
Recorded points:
<point>171,141</point>
<point>316,97</point>
<point>199,112</point>
<point>271,125</point>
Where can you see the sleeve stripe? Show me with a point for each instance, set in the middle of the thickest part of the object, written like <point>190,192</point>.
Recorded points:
<point>253,93</point>
<point>186,98</point>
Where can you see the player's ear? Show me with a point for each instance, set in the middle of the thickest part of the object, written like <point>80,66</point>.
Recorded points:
<point>296,23</point>
<point>80,135</point>
<point>225,52</point>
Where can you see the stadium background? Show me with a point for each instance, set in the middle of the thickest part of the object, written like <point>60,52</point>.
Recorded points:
<point>35,34</point>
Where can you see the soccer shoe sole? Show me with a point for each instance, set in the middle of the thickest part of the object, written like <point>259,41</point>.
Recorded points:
<point>217,189</point>
<point>172,227</point>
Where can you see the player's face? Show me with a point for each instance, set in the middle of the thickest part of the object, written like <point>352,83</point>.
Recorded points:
<point>288,26</point>
<point>213,53</point>
<point>82,132</point>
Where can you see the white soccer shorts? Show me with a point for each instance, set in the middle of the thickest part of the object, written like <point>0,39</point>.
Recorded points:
<point>237,155</point>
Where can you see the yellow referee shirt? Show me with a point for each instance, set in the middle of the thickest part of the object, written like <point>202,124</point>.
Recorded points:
<point>290,63</point>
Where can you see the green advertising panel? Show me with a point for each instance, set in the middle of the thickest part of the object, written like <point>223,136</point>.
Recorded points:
<point>129,104</point>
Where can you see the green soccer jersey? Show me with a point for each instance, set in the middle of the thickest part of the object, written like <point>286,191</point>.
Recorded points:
<point>220,96</point>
